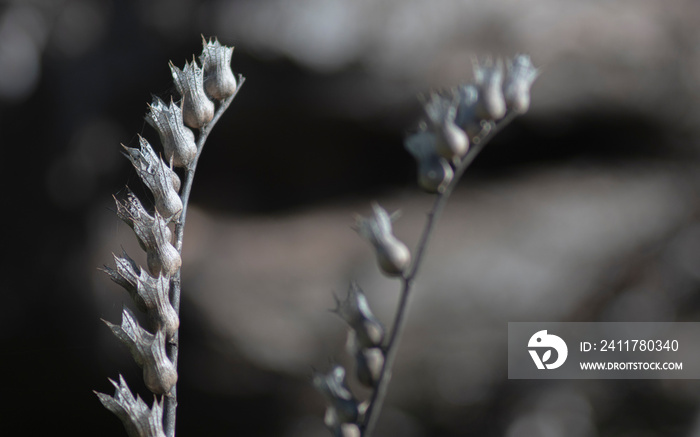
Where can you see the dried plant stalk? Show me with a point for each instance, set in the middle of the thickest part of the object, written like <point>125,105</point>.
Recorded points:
<point>158,293</point>
<point>459,124</point>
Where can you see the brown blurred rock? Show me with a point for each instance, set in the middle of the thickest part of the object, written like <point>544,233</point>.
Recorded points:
<point>637,56</point>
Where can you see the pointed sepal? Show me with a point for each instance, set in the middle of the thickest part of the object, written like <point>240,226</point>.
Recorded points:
<point>138,419</point>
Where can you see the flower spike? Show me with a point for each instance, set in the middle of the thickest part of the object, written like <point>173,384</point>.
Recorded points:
<point>157,289</point>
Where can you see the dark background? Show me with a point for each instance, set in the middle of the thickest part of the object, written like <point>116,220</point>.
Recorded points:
<point>319,125</point>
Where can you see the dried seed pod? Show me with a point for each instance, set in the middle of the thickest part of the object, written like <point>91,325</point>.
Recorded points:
<point>393,255</point>
<point>132,212</point>
<point>219,81</point>
<point>488,77</point>
<point>155,293</point>
<point>337,428</point>
<point>368,365</point>
<point>434,172</point>
<point>161,256</point>
<point>157,176</point>
<point>127,275</point>
<point>369,360</point>
<point>451,142</point>
<point>520,74</point>
<point>148,351</point>
<point>159,373</point>
<point>154,237</point>
<point>178,140</point>
<point>466,117</point>
<point>138,419</point>
<point>151,294</point>
<point>197,109</point>
<point>355,310</point>
<point>175,178</point>
<point>343,407</point>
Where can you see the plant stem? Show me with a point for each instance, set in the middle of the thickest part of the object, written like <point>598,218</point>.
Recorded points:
<point>170,404</point>
<point>391,347</point>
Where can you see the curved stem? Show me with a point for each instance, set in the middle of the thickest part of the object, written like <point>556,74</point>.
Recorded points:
<point>170,404</point>
<point>390,349</point>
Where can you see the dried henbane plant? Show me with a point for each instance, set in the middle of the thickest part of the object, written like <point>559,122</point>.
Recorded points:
<point>458,124</point>
<point>206,90</point>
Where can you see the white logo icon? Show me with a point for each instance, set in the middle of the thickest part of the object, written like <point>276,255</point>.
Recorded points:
<point>549,341</point>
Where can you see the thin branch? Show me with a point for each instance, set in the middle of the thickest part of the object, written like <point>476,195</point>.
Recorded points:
<point>391,348</point>
<point>170,404</point>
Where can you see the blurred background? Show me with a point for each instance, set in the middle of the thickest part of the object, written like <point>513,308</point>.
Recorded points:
<point>585,209</point>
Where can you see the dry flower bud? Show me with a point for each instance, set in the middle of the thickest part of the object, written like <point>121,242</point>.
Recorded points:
<point>489,80</point>
<point>451,142</point>
<point>197,109</point>
<point>520,74</point>
<point>148,351</point>
<point>157,176</point>
<point>138,419</point>
<point>355,310</point>
<point>178,140</point>
<point>343,407</point>
<point>393,255</point>
<point>219,81</point>
<point>132,212</point>
<point>434,172</point>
